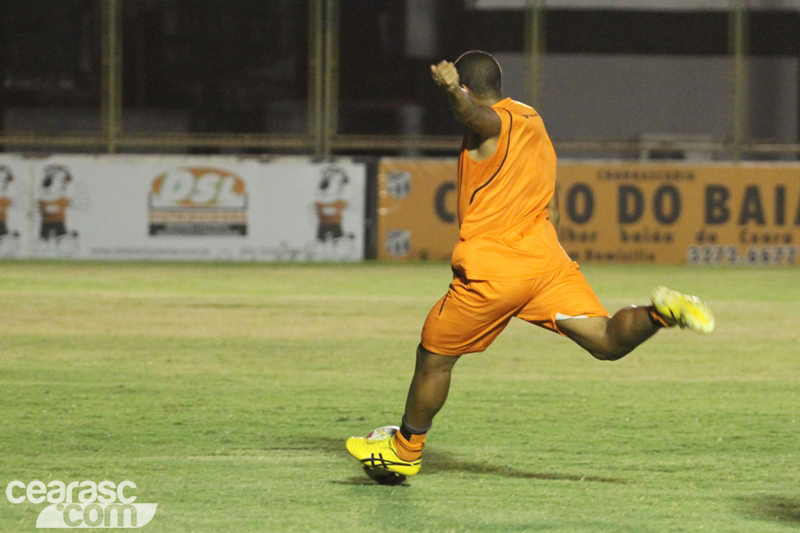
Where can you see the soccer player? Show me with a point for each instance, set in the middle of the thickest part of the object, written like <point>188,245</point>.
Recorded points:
<point>508,261</point>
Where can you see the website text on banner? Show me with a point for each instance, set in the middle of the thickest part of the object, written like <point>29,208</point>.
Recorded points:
<point>643,213</point>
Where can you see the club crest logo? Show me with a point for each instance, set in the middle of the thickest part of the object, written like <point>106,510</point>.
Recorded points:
<point>398,184</point>
<point>398,242</point>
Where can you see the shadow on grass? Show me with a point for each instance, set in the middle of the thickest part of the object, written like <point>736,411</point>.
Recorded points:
<point>364,480</point>
<point>442,462</point>
<point>772,507</point>
<point>437,461</point>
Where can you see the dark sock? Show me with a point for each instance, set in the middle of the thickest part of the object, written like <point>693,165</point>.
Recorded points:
<point>410,441</point>
<point>407,430</point>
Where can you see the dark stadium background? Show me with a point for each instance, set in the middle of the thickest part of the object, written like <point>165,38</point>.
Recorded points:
<point>197,72</point>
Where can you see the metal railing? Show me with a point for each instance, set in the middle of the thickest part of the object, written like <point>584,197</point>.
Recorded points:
<point>323,140</point>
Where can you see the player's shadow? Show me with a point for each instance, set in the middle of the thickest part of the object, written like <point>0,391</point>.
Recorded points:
<point>437,461</point>
<point>364,480</point>
<point>772,507</point>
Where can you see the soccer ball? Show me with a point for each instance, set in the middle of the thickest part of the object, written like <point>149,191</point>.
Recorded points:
<point>383,433</point>
<point>379,475</point>
<point>384,477</point>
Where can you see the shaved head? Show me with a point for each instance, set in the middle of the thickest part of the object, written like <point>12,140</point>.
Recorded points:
<point>481,73</point>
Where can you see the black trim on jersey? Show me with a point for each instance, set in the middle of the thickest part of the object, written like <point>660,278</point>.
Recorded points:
<point>503,162</point>
<point>440,311</point>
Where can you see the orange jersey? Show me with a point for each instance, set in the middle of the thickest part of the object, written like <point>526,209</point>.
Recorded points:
<point>54,210</point>
<point>330,212</point>
<point>505,231</point>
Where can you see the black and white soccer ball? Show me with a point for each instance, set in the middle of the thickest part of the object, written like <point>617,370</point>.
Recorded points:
<point>381,475</point>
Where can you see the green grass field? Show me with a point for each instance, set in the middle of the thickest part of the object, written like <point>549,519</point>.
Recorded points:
<point>225,392</point>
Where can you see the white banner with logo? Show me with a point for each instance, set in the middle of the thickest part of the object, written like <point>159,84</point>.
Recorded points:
<point>181,208</point>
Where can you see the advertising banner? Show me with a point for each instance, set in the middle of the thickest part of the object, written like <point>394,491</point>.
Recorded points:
<point>191,208</point>
<point>680,213</point>
<point>617,212</point>
<point>15,207</point>
<point>417,208</point>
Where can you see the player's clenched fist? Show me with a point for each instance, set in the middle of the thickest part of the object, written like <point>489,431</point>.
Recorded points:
<point>445,75</point>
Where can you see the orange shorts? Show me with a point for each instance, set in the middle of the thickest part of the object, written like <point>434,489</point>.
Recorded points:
<point>473,313</point>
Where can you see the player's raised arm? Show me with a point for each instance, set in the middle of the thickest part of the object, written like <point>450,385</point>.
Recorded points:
<point>480,118</point>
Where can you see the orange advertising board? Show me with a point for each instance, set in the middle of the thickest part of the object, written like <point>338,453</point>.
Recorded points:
<point>680,213</point>
<point>617,212</point>
<point>417,209</point>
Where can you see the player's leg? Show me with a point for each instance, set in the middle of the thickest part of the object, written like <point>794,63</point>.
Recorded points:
<point>426,396</point>
<point>466,320</point>
<point>567,304</point>
<point>429,387</point>
<point>610,339</point>
<point>613,338</point>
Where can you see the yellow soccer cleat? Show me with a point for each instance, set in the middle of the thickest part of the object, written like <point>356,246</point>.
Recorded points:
<point>683,310</point>
<point>380,454</point>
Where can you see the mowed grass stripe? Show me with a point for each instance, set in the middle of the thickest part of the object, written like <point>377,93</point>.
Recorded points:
<point>225,393</point>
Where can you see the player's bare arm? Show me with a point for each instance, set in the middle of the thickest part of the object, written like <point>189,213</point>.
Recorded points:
<point>480,118</point>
